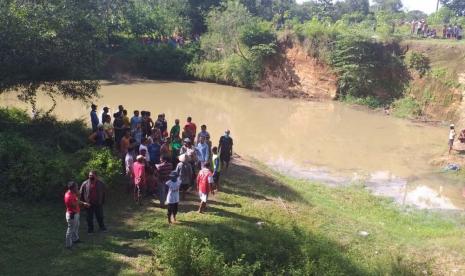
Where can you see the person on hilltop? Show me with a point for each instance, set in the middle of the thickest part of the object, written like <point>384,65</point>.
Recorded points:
<point>184,171</point>
<point>163,170</point>
<point>98,137</point>
<point>135,120</point>
<point>190,129</point>
<point>72,214</point>
<point>451,137</point>
<point>203,153</point>
<point>104,114</point>
<point>94,118</point>
<point>204,185</point>
<point>172,198</point>
<point>216,168</point>
<point>225,147</point>
<point>92,192</point>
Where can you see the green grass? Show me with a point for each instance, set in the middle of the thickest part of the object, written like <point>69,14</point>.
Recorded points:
<point>307,228</point>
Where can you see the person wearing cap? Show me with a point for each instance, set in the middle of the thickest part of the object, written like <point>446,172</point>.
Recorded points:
<point>104,114</point>
<point>92,191</point>
<point>172,198</point>
<point>98,137</point>
<point>184,171</point>
<point>72,214</point>
<point>138,173</point>
<point>94,118</point>
<point>204,185</point>
<point>451,137</point>
<point>225,147</point>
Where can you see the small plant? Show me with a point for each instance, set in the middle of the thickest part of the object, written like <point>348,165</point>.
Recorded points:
<point>418,62</point>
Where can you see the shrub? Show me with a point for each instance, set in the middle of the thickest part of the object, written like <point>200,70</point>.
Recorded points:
<point>418,62</point>
<point>406,107</point>
<point>103,161</point>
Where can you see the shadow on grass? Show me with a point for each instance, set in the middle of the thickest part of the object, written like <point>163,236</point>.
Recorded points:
<point>32,240</point>
<point>248,182</point>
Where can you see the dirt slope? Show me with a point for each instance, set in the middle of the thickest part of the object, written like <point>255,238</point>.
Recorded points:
<point>297,75</point>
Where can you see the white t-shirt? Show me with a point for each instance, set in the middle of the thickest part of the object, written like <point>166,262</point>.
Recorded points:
<point>173,191</point>
<point>129,162</point>
<point>452,134</point>
<point>147,156</point>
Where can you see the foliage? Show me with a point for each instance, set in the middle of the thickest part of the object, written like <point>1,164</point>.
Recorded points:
<point>443,16</point>
<point>39,156</point>
<point>107,166</point>
<point>406,107</point>
<point>458,6</point>
<point>59,55</point>
<point>419,62</point>
<point>367,68</point>
<point>388,5</point>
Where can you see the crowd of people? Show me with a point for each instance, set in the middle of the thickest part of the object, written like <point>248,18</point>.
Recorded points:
<point>422,29</point>
<point>156,162</point>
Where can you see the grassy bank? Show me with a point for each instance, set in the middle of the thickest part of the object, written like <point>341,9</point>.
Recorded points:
<point>261,222</point>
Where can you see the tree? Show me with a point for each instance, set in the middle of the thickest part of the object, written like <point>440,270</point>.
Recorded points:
<point>52,47</point>
<point>415,15</point>
<point>353,6</point>
<point>388,5</point>
<point>458,6</point>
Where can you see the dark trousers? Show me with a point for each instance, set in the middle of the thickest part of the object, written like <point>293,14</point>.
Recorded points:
<point>172,209</point>
<point>98,211</point>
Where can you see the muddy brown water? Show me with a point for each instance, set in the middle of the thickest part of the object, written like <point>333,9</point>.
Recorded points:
<point>326,141</point>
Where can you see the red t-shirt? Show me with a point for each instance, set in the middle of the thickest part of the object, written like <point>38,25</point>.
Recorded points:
<point>191,128</point>
<point>70,200</point>
<point>139,173</point>
<point>202,180</point>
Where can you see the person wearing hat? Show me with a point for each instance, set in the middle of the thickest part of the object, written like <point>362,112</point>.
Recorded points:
<point>172,198</point>
<point>184,171</point>
<point>451,137</point>
<point>138,174</point>
<point>72,214</point>
<point>225,147</point>
<point>94,118</point>
<point>104,114</point>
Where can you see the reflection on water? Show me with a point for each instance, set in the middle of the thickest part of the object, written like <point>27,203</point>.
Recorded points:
<point>324,141</point>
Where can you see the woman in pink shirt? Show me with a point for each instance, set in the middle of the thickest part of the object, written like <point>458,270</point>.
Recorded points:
<point>139,177</point>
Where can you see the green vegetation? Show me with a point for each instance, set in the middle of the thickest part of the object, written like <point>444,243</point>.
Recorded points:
<point>261,223</point>
<point>39,155</point>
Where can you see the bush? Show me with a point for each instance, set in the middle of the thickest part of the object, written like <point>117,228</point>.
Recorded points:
<point>418,62</point>
<point>103,161</point>
<point>406,108</point>
<point>183,254</point>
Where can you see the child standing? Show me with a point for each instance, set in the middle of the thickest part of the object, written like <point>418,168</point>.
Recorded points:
<point>172,198</point>
<point>451,137</point>
<point>204,183</point>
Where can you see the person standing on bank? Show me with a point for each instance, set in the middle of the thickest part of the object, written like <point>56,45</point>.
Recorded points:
<point>72,215</point>
<point>94,118</point>
<point>225,147</point>
<point>93,193</point>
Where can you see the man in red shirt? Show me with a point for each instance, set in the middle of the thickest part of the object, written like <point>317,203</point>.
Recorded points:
<point>93,192</point>
<point>204,182</point>
<point>72,215</point>
<point>190,129</point>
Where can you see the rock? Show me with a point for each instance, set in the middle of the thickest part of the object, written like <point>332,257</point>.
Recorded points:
<point>363,233</point>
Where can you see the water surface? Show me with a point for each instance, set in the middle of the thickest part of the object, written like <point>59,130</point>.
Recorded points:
<point>325,141</point>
